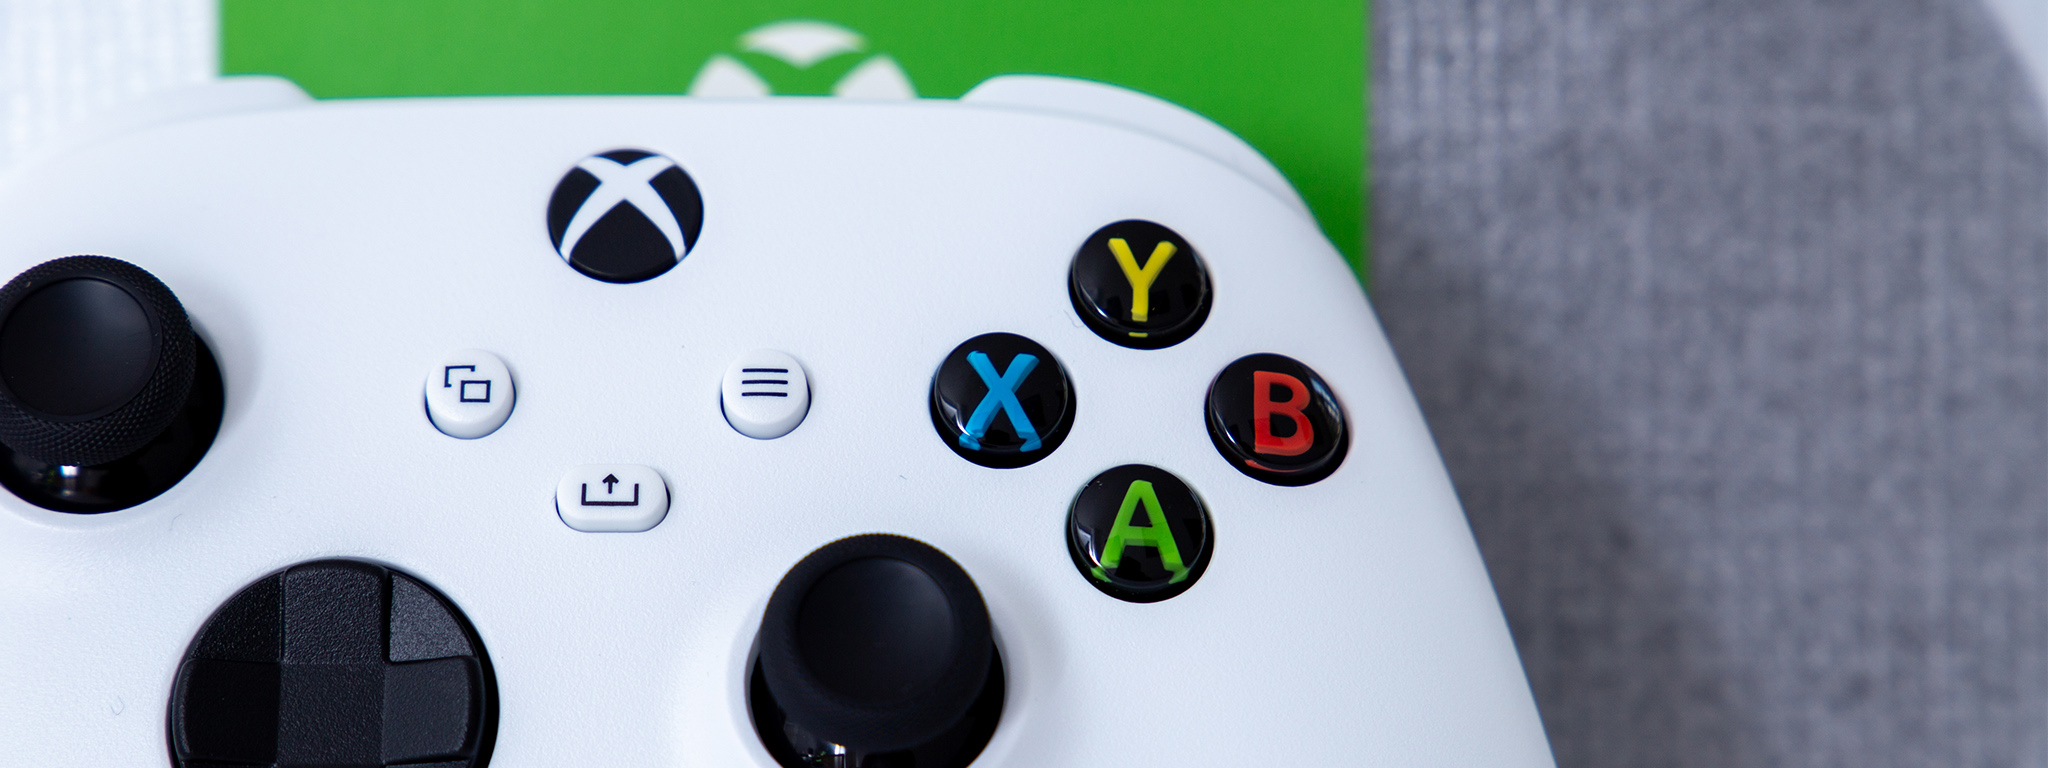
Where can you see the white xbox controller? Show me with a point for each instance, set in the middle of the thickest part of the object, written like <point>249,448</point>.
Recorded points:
<point>1038,428</point>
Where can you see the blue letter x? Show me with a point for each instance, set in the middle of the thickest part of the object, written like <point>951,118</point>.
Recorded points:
<point>1002,391</point>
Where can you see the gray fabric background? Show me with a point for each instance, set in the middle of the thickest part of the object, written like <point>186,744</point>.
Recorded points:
<point>1729,318</point>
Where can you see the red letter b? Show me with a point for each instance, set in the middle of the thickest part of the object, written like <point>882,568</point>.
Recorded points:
<point>1264,409</point>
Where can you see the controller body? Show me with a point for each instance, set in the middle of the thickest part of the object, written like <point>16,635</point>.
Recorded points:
<point>332,254</point>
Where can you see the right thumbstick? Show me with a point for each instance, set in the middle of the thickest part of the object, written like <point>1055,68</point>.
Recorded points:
<point>876,649</point>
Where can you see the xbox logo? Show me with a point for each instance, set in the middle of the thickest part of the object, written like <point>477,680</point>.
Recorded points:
<point>625,216</point>
<point>801,56</point>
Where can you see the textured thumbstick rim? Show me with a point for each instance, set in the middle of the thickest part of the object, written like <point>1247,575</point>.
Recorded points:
<point>875,728</point>
<point>98,438</point>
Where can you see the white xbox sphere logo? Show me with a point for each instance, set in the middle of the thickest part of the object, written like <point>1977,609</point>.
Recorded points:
<point>803,43</point>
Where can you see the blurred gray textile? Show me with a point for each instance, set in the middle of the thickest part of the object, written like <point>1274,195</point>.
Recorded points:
<point>1729,318</point>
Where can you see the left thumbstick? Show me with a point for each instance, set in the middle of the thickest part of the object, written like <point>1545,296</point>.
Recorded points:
<point>98,363</point>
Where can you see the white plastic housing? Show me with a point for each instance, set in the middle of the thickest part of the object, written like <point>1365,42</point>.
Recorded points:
<point>332,252</point>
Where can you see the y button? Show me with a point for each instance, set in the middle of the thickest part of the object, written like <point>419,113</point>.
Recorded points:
<point>1139,285</point>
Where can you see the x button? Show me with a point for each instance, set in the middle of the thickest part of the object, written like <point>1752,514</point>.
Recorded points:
<point>1000,400</point>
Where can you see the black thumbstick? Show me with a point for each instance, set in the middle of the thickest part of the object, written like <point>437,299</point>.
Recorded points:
<point>97,363</point>
<point>877,649</point>
<point>95,359</point>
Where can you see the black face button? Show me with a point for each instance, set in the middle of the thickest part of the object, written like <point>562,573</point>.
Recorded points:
<point>1140,285</point>
<point>625,216</point>
<point>96,358</point>
<point>876,644</point>
<point>1275,420</point>
<point>1138,533</point>
<point>334,663</point>
<point>1001,400</point>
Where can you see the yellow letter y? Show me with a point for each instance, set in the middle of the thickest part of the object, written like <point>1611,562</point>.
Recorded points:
<point>1141,278</point>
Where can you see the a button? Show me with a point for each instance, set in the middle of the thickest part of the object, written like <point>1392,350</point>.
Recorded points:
<point>625,216</point>
<point>469,394</point>
<point>600,498</point>
<point>1000,400</point>
<point>1275,420</point>
<point>336,663</point>
<point>1138,533</point>
<point>1140,285</point>
<point>765,394</point>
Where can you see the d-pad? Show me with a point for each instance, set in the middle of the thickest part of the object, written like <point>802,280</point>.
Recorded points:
<point>334,663</point>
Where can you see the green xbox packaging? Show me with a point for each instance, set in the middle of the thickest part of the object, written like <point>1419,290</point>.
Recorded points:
<point>1287,75</point>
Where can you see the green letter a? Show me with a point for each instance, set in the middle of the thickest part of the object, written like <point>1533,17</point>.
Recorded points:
<point>1158,535</point>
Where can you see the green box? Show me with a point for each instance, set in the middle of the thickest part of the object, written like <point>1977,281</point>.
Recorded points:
<point>1287,75</point>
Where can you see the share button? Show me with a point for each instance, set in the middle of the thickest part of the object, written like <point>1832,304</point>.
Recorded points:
<point>612,498</point>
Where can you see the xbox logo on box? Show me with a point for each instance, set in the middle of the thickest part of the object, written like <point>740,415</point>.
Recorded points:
<point>802,56</point>
<point>625,216</point>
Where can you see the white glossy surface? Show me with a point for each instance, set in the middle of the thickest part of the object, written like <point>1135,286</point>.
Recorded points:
<point>1110,105</point>
<point>330,251</point>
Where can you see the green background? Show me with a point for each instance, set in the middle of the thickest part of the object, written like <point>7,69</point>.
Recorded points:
<point>1287,75</point>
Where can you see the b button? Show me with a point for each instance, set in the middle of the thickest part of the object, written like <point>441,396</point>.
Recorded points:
<point>1275,420</point>
<point>1000,400</point>
<point>1138,533</point>
<point>1139,284</point>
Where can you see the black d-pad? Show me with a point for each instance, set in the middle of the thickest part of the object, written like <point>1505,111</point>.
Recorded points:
<point>334,663</point>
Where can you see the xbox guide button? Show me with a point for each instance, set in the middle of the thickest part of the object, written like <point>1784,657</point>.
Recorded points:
<point>1139,534</point>
<point>1000,400</point>
<point>1139,285</point>
<point>469,394</point>
<point>625,216</point>
<point>1275,420</point>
